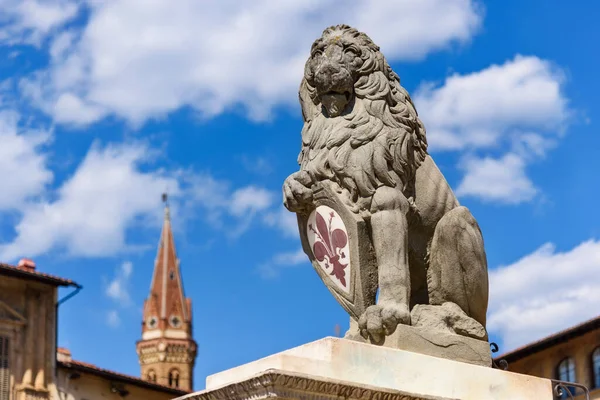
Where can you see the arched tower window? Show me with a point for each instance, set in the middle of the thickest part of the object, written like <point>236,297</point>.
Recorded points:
<point>566,372</point>
<point>174,378</point>
<point>151,376</point>
<point>596,367</point>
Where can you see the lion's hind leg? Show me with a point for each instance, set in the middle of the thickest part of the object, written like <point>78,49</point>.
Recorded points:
<point>458,266</point>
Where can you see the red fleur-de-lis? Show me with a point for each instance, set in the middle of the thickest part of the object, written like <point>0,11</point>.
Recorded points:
<point>328,246</point>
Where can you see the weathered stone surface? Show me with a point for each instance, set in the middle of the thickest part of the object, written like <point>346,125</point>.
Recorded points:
<point>448,318</point>
<point>333,368</point>
<point>434,340</point>
<point>364,158</point>
<point>278,384</point>
<point>439,344</point>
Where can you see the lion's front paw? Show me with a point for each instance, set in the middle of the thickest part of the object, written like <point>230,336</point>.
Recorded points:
<point>381,319</point>
<point>296,191</point>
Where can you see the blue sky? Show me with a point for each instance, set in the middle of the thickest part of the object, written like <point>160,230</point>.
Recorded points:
<point>106,104</point>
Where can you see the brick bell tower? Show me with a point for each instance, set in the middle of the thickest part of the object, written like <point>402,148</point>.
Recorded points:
<point>167,350</point>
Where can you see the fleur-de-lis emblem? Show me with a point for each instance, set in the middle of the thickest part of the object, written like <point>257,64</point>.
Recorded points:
<point>328,246</point>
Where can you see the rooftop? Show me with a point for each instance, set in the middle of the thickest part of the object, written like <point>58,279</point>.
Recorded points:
<point>551,340</point>
<point>26,270</point>
<point>92,369</point>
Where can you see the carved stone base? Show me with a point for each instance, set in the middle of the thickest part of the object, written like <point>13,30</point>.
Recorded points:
<point>334,368</point>
<point>432,342</point>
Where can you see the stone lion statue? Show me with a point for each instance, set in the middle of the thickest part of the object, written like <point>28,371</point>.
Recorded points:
<point>363,137</point>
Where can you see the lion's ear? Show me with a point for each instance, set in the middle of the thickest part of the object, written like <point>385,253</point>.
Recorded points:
<point>306,94</point>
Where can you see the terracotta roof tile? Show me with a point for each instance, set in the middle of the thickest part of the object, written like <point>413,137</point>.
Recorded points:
<point>166,297</point>
<point>11,270</point>
<point>548,341</point>
<point>117,376</point>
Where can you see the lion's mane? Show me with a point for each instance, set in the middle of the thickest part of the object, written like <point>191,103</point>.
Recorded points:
<point>381,141</point>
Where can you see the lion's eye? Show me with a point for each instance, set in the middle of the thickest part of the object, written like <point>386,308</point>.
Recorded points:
<point>352,50</point>
<point>317,53</point>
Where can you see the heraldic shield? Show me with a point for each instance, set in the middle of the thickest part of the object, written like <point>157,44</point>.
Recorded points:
<point>331,237</point>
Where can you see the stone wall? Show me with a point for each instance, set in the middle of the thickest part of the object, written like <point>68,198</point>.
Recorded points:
<point>27,320</point>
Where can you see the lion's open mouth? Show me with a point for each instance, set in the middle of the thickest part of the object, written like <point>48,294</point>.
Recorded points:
<point>346,93</point>
<point>335,102</point>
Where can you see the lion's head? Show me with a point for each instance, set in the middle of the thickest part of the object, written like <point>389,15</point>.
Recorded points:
<point>337,60</point>
<point>351,98</point>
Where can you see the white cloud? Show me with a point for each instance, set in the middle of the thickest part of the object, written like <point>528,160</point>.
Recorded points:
<point>283,220</point>
<point>139,60</point>
<point>212,194</point>
<point>249,200</point>
<point>22,162</point>
<point>112,319</point>
<point>117,289</point>
<point>502,180</point>
<point>245,204</point>
<point>544,292</point>
<point>257,165</point>
<point>229,210</point>
<point>273,267</point>
<point>518,107</point>
<point>114,189</point>
<point>477,109</point>
<point>72,109</point>
<point>30,21</point>
<point>93,208</point>
<point>127,269</point>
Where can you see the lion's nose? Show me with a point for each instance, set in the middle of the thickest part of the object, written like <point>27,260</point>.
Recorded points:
<point>329,69</point>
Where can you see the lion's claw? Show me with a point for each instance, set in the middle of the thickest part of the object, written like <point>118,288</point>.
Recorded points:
<point>381,320</point>
<point>296,191</point>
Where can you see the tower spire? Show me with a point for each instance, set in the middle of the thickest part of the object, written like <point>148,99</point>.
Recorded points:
<point>165,199</point>
<point>167,319</point>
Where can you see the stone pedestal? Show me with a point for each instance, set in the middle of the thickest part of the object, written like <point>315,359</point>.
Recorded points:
<point>333,368</point>
<point>434,343</point>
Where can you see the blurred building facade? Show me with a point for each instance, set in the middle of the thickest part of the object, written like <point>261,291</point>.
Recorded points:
<point>571,355</point>
<point>33,368</point>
